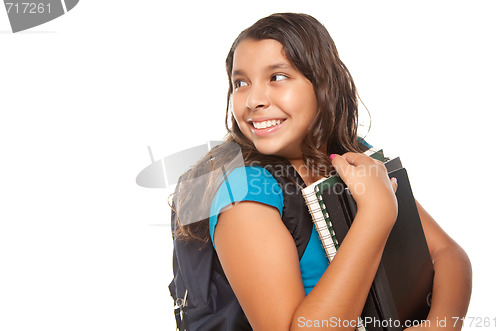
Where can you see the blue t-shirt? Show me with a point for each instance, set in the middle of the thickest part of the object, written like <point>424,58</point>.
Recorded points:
<point>257,184</point>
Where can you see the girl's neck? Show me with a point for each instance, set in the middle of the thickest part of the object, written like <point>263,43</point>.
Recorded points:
<point>309,176</point>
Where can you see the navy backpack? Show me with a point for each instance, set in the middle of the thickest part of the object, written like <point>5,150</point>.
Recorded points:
<point>202,296</point>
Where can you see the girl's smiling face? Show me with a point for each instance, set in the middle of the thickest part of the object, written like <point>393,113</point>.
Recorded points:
<point>273,102</point>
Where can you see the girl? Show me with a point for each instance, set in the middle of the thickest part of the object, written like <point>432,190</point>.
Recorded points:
<point>292,105</point>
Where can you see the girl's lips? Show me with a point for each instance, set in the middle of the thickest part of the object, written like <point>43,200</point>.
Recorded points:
<point>266,131</point>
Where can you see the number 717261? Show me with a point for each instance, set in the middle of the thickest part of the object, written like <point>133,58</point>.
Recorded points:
<point>476,322</point>
<point>28,7</point>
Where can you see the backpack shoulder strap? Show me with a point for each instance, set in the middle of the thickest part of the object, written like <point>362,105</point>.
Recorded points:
<point>296,216</point>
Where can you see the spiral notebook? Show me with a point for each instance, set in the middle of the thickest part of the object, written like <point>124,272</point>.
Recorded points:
<point>402,286</point>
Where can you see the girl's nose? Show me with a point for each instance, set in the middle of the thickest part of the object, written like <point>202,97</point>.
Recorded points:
<point>257,98</point>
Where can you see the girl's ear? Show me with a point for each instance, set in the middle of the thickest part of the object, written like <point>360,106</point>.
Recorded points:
<point>230,113</point>
<point>231,109</point>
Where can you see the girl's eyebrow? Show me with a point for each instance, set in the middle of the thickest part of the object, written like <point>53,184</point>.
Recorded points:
<point>278,66</point>
<point>237,73</point>
<point>271,67</point>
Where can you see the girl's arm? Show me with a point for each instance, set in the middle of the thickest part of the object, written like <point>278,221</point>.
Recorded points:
<point>452,277</point>
<point>261,263</point>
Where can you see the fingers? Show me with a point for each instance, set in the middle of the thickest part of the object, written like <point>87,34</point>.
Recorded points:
<point>355,158</point>
<point>394,183</point>
<point>340,164</point>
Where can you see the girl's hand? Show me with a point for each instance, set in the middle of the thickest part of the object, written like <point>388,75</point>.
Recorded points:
<point>368,183</point>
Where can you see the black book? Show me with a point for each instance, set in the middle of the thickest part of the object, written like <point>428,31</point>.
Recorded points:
<point>401,291</point>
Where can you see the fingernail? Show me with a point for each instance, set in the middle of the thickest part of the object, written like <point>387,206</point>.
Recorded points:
<point>332,156</point>
<point>394,179</point>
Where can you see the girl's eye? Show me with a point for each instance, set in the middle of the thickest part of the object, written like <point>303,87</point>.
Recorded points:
<point>278,77</point>
<point>239,83</point>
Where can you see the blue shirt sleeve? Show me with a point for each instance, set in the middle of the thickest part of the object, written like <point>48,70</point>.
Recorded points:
<point>245,184</point>
<point>364,142</point>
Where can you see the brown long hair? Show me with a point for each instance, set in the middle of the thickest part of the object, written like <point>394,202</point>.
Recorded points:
<point>310,48</point>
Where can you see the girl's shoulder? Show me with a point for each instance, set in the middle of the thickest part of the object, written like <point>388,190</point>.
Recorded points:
<point>249,183</point>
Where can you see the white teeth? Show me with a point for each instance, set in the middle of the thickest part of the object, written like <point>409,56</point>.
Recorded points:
<point>266,124</point>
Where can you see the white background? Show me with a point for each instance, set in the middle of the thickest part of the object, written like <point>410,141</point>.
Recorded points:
<point>82,247</point>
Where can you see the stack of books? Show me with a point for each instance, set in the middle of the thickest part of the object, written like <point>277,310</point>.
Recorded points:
<point>401,291</point>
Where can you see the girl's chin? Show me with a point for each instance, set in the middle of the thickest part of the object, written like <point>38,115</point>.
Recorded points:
<point>268,150</point>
